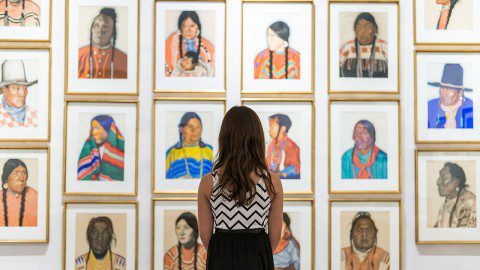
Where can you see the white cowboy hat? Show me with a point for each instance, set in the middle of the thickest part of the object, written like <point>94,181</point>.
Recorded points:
<point>13,72</point>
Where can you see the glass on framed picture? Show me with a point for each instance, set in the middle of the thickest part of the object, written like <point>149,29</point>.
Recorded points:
<point>364,146</point>
<point>190,46</point>
<point>446,95</point>
<point>447,183</point>
<point>363,47</point>
<point>277,45</point>
<point>365,234</point>
<point>101,148</point>
<point>444,21</point>
<point>104,40</point>
<point>25,20</point>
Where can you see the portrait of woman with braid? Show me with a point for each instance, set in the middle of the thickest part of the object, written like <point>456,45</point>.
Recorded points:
<point>188,253</point>
<point>19,202</point>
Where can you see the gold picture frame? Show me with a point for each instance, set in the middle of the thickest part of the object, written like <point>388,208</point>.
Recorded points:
<point>65,142</point>
<point>77,202</point>
<point>312,50</point>
<point>400,219</point>
<point>137,73</point>
<point>191,91</point>
<point>399,133</point>
<point>398,84</point>
<point>47,195</point>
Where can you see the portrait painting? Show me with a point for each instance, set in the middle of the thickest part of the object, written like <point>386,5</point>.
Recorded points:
<point>364,146</point>
<point>364,47</point>
<point>103,39</point>
<point>185,142</point>
<point>446,95</point>
<point>447,183</point>
<point>101,147</point>
<point>25,95</point>
<point>190,46</point>
<point>287,127</point>
<point>100,236</point>
<point>24,195</point>
<point>277,45</point>
<point>441,21</point>
<point>365,235</point>
<point>25,20</point>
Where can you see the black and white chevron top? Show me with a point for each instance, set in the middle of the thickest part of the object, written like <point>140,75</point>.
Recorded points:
<point>228,216</point>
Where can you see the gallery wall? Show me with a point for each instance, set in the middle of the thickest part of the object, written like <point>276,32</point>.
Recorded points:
<point>49,255</point>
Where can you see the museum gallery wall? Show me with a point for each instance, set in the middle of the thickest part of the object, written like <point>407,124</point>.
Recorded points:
<point>110,116</point>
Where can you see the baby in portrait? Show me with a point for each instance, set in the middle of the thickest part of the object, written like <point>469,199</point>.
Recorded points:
<point>191,66</point>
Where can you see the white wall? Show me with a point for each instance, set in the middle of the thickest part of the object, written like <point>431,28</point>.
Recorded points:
<point>49,256</point>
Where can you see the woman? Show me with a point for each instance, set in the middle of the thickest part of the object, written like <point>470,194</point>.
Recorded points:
<point>19,203</point>
<point>188,253</point>
<point>287,254</point>
<point>102,156</point>
<point>190,157</point>
<point>241,199</point>
<point>188,38</point>
<point>286,61</point>
<point>366,55</point>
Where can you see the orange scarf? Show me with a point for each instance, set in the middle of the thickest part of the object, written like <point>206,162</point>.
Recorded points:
<point>364,173</point>
<point>283,243</point>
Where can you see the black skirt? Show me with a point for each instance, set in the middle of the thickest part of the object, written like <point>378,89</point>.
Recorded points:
<point>240,250</point>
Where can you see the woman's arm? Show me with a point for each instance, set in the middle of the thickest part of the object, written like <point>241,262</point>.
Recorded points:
<point>205,216</point>
<point>275,217</point>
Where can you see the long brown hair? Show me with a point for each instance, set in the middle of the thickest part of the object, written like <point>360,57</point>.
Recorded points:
<point>241,151</point>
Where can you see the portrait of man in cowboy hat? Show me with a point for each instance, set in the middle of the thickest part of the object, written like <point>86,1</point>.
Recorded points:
<point>14,111</point>
<point>451,109</point>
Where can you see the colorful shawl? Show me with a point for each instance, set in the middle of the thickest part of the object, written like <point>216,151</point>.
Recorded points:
<point>109,167</point>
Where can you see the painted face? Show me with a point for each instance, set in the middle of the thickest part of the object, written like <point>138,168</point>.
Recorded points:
<point>189,29</point>
<point>100,238</point>
<point>443,2</point>
<point>275,43</point>
<point>184,232</point>
<point>102,30</point>
<point>15,95</point>
<point>445,183</point>
<point>364,235</point>
<point>17,180</point>
<point>98,132</point>
<point>449,96</point>
<point>273,128</point>
<point>192,132</point>
<point>361,137</point>
<point>187,63</point>
<point>365,32</point>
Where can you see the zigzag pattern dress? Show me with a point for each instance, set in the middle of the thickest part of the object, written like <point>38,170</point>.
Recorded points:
<point>240,241</point>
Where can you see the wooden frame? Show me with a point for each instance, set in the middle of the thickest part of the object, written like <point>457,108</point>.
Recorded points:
<point>65,139</point>
<point>155,90</point>
<point>331,201</point>
<point>66,203</point>
<point>137,74</point>
<point>397,2</point>
<point>399,191</point>
<point>312,90</point>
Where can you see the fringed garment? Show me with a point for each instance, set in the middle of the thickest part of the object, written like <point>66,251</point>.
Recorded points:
<point>367,64</point>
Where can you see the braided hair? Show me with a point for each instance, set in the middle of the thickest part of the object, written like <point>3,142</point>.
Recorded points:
<point>192,222</point>
<point>22,16</point>
<point>183,122</point>
<point>367,17</point>
<point>109,12</point>
<point>450,10</point>
<point>8,168</point>
<point>194,17</point>
<point>359,216</point>
<point>111,236</point>
<point>283,31</point>
<point>457,173</point>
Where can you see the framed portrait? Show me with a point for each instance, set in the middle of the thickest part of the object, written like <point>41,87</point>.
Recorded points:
<point>364,146</point>
<point>100,148</point>
<point>364,48</point>
<point>25,94</point>
<point>190,38</point>
<point>444,21</point>
<point>446,91</point>
<point>278,44</point>
<point>24,204</point>
<point>289,127</point>
<point>185,142</point>
<point>179,217</point>
<point>100,235</point>
<point>365,234</point>
<point>447,181</point>
<point>102,47</point>
<point>25,20</point>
